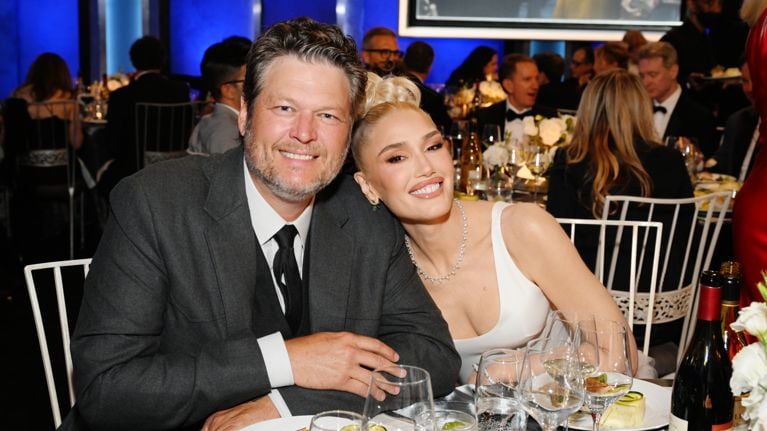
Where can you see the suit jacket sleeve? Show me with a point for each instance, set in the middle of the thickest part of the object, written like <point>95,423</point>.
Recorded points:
<point>129,374</point>
<point>407,320</point>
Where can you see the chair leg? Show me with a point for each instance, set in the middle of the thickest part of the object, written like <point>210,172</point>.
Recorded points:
<point>71,223</point>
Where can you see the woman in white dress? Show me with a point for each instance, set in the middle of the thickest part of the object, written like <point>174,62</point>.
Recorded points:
<point>494,269</point>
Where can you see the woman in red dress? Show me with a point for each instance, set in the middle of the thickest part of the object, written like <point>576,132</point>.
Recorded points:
<point>749,223</point>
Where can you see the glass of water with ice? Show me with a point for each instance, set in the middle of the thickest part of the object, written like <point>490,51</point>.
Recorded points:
<point>496,398</point>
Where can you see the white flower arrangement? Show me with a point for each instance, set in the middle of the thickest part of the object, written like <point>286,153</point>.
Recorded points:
<point>749,366</point>
<point>461,102</point>
<point>548,133</point>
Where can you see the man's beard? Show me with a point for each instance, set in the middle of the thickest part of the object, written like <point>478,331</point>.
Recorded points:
<point>265,171</point>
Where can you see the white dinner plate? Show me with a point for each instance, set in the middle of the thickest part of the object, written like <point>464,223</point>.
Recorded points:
<point>292,423</point>
<point>657,409</point>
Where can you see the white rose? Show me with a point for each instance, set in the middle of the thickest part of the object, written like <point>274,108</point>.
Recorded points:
<point>529,126</point>
<point>495,155</point>
<point>516,130</point>
<point>748,366</point>
<point>753,319</point>
<point>551,130</point>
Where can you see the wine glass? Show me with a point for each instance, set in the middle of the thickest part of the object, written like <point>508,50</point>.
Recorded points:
<point>336,420</point>
<point>496,396</point>
<point>551,386</point>
<point>536,161</point>
<point>399,399</point>
<point>491,134</point>
<point>612,378</point>
<point>517,158</point>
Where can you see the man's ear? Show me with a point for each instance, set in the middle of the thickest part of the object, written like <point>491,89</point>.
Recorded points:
<point>242,117</point>
<point>367,189</point>
<point>507,85</point>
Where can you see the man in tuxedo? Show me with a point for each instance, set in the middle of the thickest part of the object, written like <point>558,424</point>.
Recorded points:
<point>519,79</point>
<point>419,57</point>
<point>224,75</point>
<point>739,146</point>
<point>675,112</point>
<point>149,85</point>
<point>236,288</point>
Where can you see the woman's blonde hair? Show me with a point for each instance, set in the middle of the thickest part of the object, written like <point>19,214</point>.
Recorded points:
<point>751,10</point>
<point>381,97</point>
<point>615,110</point>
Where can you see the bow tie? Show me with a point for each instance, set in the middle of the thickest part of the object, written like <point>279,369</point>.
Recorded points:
<point>658,108</point>
<point>511,115</point>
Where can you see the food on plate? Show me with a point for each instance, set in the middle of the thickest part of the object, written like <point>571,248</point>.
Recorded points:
<point>453,424</point>
<point>376,427</point>
<point>721,72</point>
<point>627,412</point>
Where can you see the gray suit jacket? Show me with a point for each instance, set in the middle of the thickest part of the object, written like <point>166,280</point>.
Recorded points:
<point>216,132</point>
<point>165,335</point>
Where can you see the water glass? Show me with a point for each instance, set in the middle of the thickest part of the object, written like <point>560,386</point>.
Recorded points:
<point>399,399</point>
<point>455,416</point>
<point>496,397</point>
<point>336,420</point>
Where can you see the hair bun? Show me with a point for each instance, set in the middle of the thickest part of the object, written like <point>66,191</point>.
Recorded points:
<point>392,89</point>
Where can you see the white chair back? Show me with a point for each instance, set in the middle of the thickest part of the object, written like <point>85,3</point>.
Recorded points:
<point>688,237</point>
<point>48,145</point>
<point>632,303</point>
<point>163,130</point>
<point>34,299</point>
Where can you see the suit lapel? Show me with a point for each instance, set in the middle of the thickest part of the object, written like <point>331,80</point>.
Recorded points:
<point>233,253</point>
<point>330,257</point>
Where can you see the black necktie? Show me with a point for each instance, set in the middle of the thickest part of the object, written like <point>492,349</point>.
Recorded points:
<point>658,108</point>
<point>285,265</point>
<point>511,115</point>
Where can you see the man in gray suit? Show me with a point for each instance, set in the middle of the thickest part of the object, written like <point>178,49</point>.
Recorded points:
<point>224,73</point>
<point>236,288</point>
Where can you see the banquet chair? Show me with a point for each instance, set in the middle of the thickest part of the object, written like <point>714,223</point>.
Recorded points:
<point>607,231</point>
<point>163,130</point>
<point>33,273</point>
<point>691,228</point>
<point>44,152</point>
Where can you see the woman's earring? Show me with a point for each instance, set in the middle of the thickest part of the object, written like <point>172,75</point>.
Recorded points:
<point>375,204</point>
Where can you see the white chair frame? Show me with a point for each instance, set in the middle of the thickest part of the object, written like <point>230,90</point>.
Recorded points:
<point>626,300</point>
<point>29,271</point>
<point>710,208</point>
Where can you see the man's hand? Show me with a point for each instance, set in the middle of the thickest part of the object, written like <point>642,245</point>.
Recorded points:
<point>242,415</point>
<point>337,360</point>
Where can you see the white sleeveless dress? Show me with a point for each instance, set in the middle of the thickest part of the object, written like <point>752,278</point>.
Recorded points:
<point>523,307</point>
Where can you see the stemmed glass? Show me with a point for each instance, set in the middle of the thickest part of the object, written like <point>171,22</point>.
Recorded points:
<point>612,378</point>
<point>551,386</point>
<point>517,158</point>
<point>491,134</point>
<point>399,399</point>
<point>336,420</point>
<point>536,162</point>
<point>496,396</point>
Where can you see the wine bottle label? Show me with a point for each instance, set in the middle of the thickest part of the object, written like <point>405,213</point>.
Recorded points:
<point>677,424</point>
<point>722,427</point>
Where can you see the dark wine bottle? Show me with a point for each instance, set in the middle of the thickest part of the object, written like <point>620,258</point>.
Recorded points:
<point>733,341</point>
<point>701,399</point>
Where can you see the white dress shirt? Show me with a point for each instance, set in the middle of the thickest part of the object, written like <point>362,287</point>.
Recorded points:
<point>266,223</point>
<point>509,106</point>
<point>659,118</point>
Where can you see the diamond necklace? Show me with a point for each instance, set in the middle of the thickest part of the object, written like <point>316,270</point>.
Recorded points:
<point>458,261</point>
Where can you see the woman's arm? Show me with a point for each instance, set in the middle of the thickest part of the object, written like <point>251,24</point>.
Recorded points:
<point>546,256</point>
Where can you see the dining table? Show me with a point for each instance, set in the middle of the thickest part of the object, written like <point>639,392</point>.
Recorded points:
<point>658,409</point>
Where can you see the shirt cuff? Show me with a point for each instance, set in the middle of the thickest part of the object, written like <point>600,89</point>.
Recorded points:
<point>276,360</point>
<point>279,403</point>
